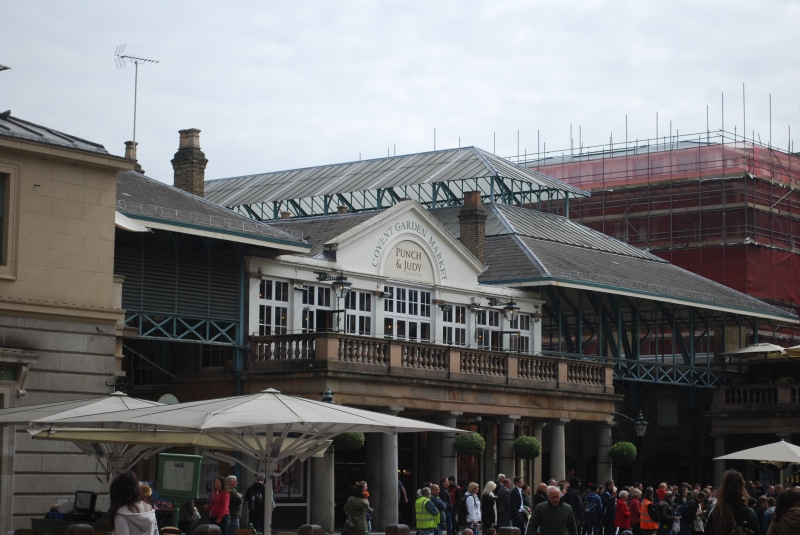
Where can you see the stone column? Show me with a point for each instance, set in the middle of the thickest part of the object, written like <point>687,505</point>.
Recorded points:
<point>558,462</point>
<point>719,451</point>
<point>603,453</point>
<point>373,474</point>
<point>488,453</point>
<point>434,457</point>
<point>537,476</point>
<point>505,446</point>
<point>322,491</point>
<point>388,486</point>
<point>449,464</point>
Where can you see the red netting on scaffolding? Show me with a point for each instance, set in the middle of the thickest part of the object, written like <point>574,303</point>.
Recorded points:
<point>719,206</point>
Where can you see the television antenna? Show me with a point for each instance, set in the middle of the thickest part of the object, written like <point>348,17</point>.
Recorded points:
<point>121,59</point>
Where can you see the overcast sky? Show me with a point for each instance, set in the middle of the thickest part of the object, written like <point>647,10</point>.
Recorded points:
<point>282,85</point>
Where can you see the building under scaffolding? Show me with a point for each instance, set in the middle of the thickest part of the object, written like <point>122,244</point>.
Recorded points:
<point>715,204</point>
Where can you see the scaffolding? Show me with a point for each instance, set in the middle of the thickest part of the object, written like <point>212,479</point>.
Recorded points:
<point>716,204</point>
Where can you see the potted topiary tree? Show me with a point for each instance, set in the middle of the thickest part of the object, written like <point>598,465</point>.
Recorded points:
<point>348,442</point>
<point>526,447</point>
<point>623,453</point>
<point>470,444</point>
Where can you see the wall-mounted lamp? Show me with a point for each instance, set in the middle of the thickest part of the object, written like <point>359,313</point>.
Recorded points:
<point>302,288</point>
<point>260,271</point>
<point>385,295</point>
<point>445,307</point>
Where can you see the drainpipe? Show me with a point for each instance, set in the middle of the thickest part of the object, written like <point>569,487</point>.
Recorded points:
<point>238,352</point>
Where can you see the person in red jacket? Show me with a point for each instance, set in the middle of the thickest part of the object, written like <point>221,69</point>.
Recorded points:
<point>219,506</point>
<point>635,507</point>
<point>623,518</point>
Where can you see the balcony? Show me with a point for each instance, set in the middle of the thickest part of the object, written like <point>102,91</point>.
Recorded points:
<point>405,360</point>
<point>757,398</point>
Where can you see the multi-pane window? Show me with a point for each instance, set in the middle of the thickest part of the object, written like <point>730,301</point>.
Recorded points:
<point>359,312</point>
<point>141,369</point>
<point>520,341</point>
<point>407,314</point>
<point>316,305</point>
<point>487,329</point>
<point>213,356</point>
<point>273,309</point>
<point>454,323</point>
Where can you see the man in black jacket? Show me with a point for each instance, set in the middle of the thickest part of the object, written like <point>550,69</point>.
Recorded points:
<point>504,504</point>
<point>518,517</point>
<point>254,497</point>
<point>666,515</point>
<point>609,507</point>
<point>573,498</point>
<point>540,496</point>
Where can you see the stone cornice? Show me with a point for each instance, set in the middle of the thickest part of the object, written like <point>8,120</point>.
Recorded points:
<point>53,310</point>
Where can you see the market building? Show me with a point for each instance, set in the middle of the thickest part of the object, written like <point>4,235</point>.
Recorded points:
<point>603,302</point>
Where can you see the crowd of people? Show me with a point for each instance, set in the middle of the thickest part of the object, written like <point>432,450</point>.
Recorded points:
<point>735,507</point>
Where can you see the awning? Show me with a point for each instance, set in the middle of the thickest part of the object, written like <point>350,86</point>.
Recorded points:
<point>126,223</point>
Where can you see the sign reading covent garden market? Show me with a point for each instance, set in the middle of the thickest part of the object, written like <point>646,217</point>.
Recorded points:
<point>407,259</point>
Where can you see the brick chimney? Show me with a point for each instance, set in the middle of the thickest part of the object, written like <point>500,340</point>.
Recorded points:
<point>472,225</point>
<point>189,163</point>
<point>130,153</point>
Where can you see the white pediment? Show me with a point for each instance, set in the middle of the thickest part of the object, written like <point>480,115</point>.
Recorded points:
<point>405,242</point>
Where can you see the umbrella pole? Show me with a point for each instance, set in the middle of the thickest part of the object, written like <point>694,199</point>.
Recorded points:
<point>269,485</point>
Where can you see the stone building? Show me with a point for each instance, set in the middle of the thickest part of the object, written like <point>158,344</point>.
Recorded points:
<point>59,302</point>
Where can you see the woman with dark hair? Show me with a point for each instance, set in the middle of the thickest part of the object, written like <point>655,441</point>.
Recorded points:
<point>787,514</point>
<point>731,510</point>
<point>219,508</point>
<point>356,508</point>
<point>129,515</point>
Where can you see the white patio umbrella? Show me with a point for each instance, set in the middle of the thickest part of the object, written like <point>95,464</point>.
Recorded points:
<point>259,424</point>
<point>756,350</point>
<point>111,457</point>
<point>779,454</point>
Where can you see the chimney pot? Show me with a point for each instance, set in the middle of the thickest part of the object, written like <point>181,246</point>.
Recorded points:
<point>472,225</point>
<point>190,163</point>
<point>472,198</point>
<point>286,215</point>
<point>341,210</point>
<point>130,153</point>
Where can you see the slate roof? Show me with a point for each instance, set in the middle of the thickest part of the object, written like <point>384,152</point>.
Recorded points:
<point>503,219</point>
<point>146,199</point>
<point>520,254</point>
<point>14,127</point>
<point>318,230</point>
<point>366,175</point>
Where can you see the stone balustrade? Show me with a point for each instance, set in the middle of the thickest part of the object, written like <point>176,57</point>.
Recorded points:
<point>757,397</point>
<point>338,352</point>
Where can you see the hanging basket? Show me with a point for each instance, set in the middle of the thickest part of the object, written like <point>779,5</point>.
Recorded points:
<point>470,444</point>
<point>526,447</point>
<point>348,441</point>
<point>623,453</point>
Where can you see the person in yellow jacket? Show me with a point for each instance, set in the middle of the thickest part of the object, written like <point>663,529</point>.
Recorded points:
<point>649,514</point>
<point>427,515</point>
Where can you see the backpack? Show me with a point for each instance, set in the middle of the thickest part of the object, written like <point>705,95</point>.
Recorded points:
<point>687,517</point>
<point>462,509</point>
<point>590,507</point>
<point>257,500</point>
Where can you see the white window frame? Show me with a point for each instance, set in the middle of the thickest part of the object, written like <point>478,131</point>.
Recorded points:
<point>312,296</point>
<point>454,326</point>
<point>273,307</point>
<point>411,308</point>
<point>488,321</point>
<point>521,340</point>
<point>359,313</point>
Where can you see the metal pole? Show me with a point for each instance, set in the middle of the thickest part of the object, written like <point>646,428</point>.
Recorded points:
<point>135,96</point>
